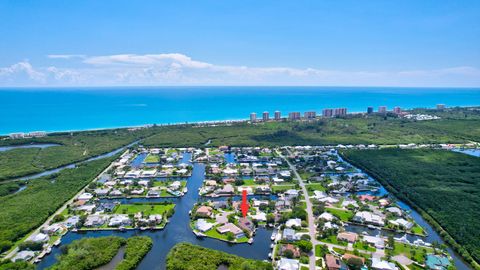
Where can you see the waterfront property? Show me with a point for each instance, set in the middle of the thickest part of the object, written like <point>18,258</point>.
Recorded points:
<point>349,209</point>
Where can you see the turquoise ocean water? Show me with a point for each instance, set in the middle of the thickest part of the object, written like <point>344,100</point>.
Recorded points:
<point>29,109</point>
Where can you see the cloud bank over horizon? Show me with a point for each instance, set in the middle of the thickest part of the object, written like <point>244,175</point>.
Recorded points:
<point>176,69</point>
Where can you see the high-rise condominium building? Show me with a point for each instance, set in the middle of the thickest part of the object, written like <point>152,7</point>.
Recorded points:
<point>327,112</point>
<point>278,115</point>
<point>309,115</point>
<point>253,117</point>
<point>294,116</point>
<point>266,116</point>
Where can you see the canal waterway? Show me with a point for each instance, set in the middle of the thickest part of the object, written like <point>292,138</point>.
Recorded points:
<point>178,230</point>
<point>23,146</point>
<point>72,165</point>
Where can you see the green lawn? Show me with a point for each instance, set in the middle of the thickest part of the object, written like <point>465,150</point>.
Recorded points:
<point>418,230</point>
<point>147,209</point>
<point>281,188</point>
<point>249,182</point>
<point>314,186</point>
<point>343,215</point>
<point>333,240</point>
<point>412,252</point>
<point>364,246</point>
<point>151,158</point>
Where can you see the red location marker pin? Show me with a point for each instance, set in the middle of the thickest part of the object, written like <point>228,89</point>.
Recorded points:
<point>244,205</point>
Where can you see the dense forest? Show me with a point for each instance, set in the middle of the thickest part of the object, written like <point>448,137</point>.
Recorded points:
<point>457,125</point>
<point>72,147</point>
<point>443,185</point>
<point>185,256</point>
<point>26,210</point>
<point>91,253</point>
<point>88,253</point>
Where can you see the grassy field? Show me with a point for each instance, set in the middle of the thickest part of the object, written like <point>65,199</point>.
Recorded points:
<point>185,256</point>
<point>147,209</point>
<point>444,186</point>
<point>152,159</point>
<point>281,188</point>
<point>412,252</point>
<point>343,215</point>
<point>312,187</point>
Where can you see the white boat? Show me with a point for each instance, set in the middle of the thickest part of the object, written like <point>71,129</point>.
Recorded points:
<point>270,255</point>
<point>272,246</point>
<point>250,241</point>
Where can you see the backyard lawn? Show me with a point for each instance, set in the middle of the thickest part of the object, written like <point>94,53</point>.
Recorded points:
<point>147,209</point>
<point>151,158</point>
<point>343,215</point>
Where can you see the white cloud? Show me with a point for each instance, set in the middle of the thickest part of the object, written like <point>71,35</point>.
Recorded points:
<point>21,71</point>
<point>179,69</point>
<point>65,56</point>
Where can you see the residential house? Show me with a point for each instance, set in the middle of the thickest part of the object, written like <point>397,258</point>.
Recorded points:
<point>204,211</point>
<point>332,262</point>
<point>288,264</point>
<point>350,237</point>
<point>230,227</point>
<point>202,225</point>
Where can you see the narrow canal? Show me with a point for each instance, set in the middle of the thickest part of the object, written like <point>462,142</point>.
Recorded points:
<point>178,230</point>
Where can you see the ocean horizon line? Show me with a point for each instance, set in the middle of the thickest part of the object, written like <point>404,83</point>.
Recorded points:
<point>154,87</point>
<point>206,122</point>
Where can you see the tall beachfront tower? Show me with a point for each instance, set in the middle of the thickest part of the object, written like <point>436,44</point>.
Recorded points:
<point>382,109</point>
<point>294,116</point>
<point>327,113</point>
<point>309,115</point>
<point>278,115</point>
<point>253,117</point>
<point>266,116</point>
<point>370,110</point>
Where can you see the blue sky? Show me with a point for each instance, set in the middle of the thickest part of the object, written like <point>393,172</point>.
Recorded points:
<point>122,42</point>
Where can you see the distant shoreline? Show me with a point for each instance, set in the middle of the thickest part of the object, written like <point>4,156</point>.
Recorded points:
<point>88,109</point>
<point>208,122</point>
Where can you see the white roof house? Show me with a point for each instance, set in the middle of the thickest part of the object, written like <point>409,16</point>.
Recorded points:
<point>40,237</point>
<point>24,255</point>
<point>85,196</point>
<point>378,264</point>
<point>402,222</point>
<point>119,220</point>
<point>326,216</point>
<point>260,216</point>
<point>202,225</point>
<point>293,222</point>
<point>369,217</point>
<point>288,264</point>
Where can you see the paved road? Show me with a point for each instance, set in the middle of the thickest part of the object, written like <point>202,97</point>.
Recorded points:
<point>311,218</point>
